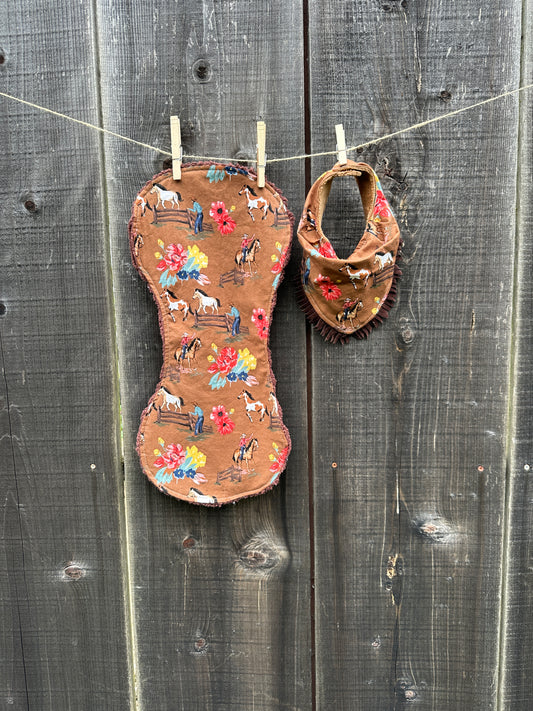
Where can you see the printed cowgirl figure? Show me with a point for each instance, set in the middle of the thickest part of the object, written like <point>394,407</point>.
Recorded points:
<point>246,242</point>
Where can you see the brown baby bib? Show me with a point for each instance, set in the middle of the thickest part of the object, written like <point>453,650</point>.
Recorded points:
<point>345,297</point>
<point>212,248</point>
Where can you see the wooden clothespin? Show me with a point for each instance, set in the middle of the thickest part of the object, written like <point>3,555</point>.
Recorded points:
<point>261,153</point>
<point>342,158</point>
<point>176,147</point>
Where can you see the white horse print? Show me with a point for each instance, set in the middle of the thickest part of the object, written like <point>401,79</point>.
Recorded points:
<point>141,202</point>
<point>200,498</point>
<point>252,405</point>
<point>175,304</point>
<point>258,203</point>
<point>274,407</point>
<point>359,275</point>
<point>164,195</point>
<point>205,301</point>
<point>169,399</point>
<point>383,260</point>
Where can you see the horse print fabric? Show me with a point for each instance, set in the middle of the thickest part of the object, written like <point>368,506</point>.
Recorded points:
<point>212,248</point>
<point>349,297</point>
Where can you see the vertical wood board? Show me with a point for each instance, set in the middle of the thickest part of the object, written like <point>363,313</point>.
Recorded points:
<point>62,609</point>
<point>220,597</point>
<point>516,684</point>
<point>409,440</point>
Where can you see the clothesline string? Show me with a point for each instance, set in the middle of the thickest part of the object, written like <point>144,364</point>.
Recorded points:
<point>302,156</point>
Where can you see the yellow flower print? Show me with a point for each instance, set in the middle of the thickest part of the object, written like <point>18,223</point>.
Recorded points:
<point>198,458</point>
<point>249,360</point>
<point>200,259</point>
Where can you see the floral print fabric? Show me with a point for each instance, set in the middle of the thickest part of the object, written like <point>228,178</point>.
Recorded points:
<point>344,297</point>
<point>212,248</point>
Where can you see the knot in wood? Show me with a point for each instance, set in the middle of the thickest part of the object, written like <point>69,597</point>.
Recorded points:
<point>189,543</point>
<point>433,528</point>
<point>202,71</point>
<point>73,571</point>
<point>405,690</point>
<point>30,203</point>
<point>200,646</point>
<point>406,333</point>
<point>262,556</point>
<point>242,156</point>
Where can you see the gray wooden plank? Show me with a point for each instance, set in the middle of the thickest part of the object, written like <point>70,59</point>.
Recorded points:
<point>220,597</point>
<point>516,692</point>
<point>62,602</point>
<point>408,563</point>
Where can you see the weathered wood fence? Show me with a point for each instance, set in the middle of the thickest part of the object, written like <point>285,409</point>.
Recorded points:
<point>392,564</point>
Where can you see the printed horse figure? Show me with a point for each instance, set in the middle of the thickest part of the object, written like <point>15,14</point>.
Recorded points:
<point>351,314</point>
<point>139,242</point>
<point>383,260</point>
<point>360,275</point>
<point>175,304</point>
<point>142,203</point>
<point>164,195</point>
<point>253,405</point>
<point>169,399</point>
<point>281,207</point>
<point>200,498</point>
<point>248,455</point>
<point>259,203</point>
<point>190,352</point>
<point>274,407</point>
<point>254,247</point>
<point>205,301</point>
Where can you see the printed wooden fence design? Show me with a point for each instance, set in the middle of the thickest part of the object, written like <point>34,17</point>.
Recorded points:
<point>179,217</point>
<point>232,473</point>
<point>281,218</point>
<point>182,419</point>
<point>172,372</point>
<point>275,421</point>
<point>383,275</point>
<point>234,275</point>
<point>223,321</point>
